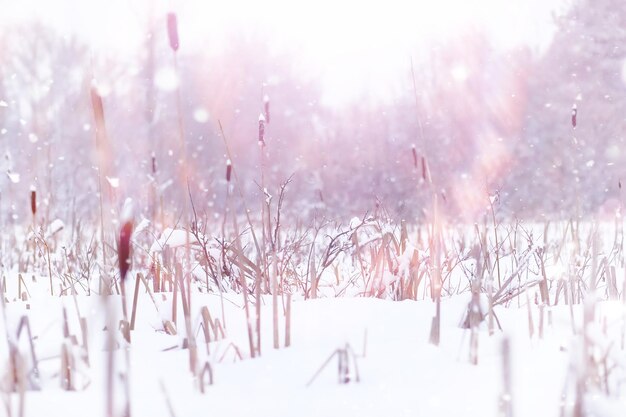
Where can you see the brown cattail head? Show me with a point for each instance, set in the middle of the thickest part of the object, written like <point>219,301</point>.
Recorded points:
<point>425,171</point>
<point>172,31</point>
<point>229,169</point>
<point>98,109</point>
<point>266,107</point>
<point>414,151</point>
<point>574,113</point>
<point>123,249</point>
<point>123,246</point>
<point>33,200</point>
<point>154,167</point>
<point>261,130</point>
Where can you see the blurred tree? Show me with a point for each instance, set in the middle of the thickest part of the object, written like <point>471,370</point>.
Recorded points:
<point>43,76</point>
<point>559,167</point>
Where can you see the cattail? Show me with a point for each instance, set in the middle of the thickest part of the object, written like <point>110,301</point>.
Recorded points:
<point>33,200</point>
<point>98,109</point>
<point>425,170</point>
<point>574,113</point>
<point>266,107</point>
<point>414,151</point>
<point>229,169</point>
<point>124,248</point>
<point>154,167</point>
<point>172,31</point>
<point>261,130</point>
<point>126,231</point>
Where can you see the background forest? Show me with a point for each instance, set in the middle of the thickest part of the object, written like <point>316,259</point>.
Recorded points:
<point>488,121</point>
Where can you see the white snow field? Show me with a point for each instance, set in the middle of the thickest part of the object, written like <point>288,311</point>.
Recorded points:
<point>352,354</point>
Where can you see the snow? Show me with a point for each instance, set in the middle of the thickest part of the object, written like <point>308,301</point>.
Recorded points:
<point>387,342</point>
<point>201,115</point>
<point>113,182</point>
<point>14,177</point>
<point>463,308</point>
<point>54,227</point>
<point>127,211</point>
<point>172,238</point>
<point>141,227</point>
<point>166,79</point>
<point>400,373</point>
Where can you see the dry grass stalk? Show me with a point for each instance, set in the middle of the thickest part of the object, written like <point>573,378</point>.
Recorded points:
<point>475,317</point>
<point>312,272</point>
<point>235,349</point>
<point>169,327</point>
<point>240,190</point>
<point>125,329</point>
<point>490,313</point>
<point>191,339</point>
<point>66,326</point>
<point>110,356</point>
<point>506,397</point>
<point>288,321</point>
<point>67,367</point>
<point>623,339</point>
<point>543,284</point>
<point>168,401</point>
<point>541,320</point>
<point>205,374</point>
<point>613,293</point>
<point>244,286</point>
<point>98,111</point>
<point>85,337</point>
<point>206,326</point>
<point>17,381</point>
<point>175,304</point>
<point>275,299</point>
<point>133,314</point>
<point>219,330</point>
<point>156,282</point>
<point>33,373</point>
<point>497,245</point>
<point>209,325</point>
<point>531,326</point>
<point>345,356</point>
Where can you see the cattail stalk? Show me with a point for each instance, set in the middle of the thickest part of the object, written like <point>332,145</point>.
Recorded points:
<point>33,210</point>
<point>124,254</point>
<point>244,291</point>
<point>261,278</point>
<point>266,108</point>
<point>172,32</point>
<point>241,196</point>
<point>98,111</point>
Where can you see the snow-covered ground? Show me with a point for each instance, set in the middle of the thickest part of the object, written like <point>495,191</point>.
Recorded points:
<point>399,372</point>
<point>361,347</point>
